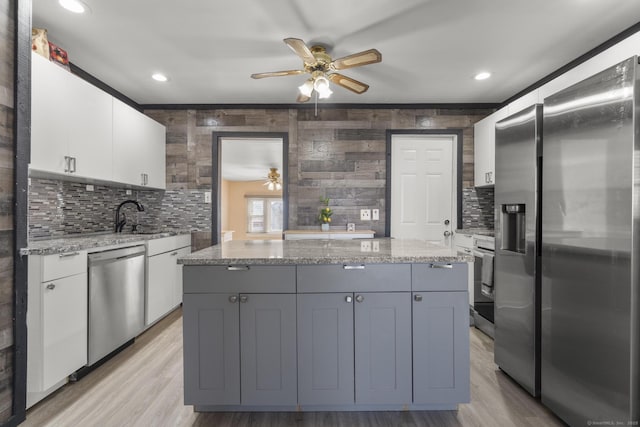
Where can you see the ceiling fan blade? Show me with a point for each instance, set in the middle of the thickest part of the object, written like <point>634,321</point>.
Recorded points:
<point>277,74</point>
<point>348,83</point>
<point>302,98</point>
<point>301,49</point>
<point>366,57</point>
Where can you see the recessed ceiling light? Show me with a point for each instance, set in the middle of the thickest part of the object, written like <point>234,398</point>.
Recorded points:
<point>483,75</point>
<point>75,6</point>
<point>159,77</point>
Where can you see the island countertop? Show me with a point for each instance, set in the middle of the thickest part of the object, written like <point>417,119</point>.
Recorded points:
<point>289,252</point>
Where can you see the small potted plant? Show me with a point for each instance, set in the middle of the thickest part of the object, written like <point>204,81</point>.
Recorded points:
<point>325,214</point>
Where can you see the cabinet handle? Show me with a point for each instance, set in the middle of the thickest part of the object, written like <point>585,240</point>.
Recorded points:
<point>448,266</point>
<point>490,177</point>
<point>348,299</point>
<point>353,267</point>
<point>146,179</point>
<point>51,286</point>
<point>174,253</point>
<point>233,299</point>
<point>244,298</point>
<point>238,268</point>
<point>417,297</point>
<point>468,251</point>
<point>73,161</point>
<point>359,298</point>
<point>69,254</point>
<point>141,179</point>
<point>67,163</point>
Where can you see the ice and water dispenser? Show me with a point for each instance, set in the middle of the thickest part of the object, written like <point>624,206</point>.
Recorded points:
<point>514,227</point>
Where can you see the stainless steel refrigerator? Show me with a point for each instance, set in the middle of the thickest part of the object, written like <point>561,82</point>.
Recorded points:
<point>590,323</point>
<point>517,260</point>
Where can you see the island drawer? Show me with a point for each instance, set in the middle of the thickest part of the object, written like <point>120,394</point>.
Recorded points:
<point>439,276</point>
<point>239,278</point>
<point>354,278</point>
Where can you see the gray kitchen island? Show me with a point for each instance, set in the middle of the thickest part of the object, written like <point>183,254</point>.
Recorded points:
<point>314,325</point>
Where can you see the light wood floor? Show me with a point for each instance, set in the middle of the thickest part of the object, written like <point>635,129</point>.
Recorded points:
<point>142,386</point>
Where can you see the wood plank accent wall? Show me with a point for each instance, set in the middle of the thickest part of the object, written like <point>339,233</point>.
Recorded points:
<point>339,154</point>
<point>7,46</point>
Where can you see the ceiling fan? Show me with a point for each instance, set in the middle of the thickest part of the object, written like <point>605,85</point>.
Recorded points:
<point>318,63</point>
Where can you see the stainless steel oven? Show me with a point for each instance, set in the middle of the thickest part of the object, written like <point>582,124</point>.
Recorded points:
<point>483,284</point>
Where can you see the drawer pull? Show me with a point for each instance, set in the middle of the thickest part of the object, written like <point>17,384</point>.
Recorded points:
<point>348,299</point>
<point>449,266</point>
<point>233,299</point>
<point>238,268</point>
<point>417,297</point>
<point>353,267</point>
<point>244,298</point>
<point>174,253</point>
<point>51,286</point>
<point>69,254</point>
<point>359,298</point>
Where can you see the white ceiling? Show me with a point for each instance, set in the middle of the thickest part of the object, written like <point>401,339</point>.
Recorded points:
<point>250,159</point>
<point>431,49</point>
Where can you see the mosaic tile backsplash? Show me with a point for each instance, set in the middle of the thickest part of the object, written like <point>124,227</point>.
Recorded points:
<point>60,208</point>
<point>478,208</point>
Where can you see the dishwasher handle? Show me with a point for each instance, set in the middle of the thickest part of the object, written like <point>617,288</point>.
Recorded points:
<point>116,254</point>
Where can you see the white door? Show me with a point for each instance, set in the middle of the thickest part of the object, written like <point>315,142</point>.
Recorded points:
<point>422,187</point>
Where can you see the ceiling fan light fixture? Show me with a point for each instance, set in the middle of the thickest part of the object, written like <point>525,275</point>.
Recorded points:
<point>306,88</point>
<point>273,180</point>
<point>321,85</point>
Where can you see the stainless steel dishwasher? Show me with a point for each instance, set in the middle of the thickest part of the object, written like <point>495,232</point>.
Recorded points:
<point>116,299</point>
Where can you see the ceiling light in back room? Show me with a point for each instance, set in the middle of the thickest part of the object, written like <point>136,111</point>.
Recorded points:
<point>75,6</point>
<point>159,77</point>
<point>483,75</point>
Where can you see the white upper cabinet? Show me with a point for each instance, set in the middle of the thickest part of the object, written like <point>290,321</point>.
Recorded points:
<point>484,148</point>
<point>138,148</point>
<point>78,130</point>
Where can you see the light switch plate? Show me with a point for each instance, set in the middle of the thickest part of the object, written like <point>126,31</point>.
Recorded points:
<point>375,214</point>
<point>207,196</point>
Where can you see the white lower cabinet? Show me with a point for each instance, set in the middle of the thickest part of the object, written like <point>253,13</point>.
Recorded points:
<point>64,328</point>
<point>56,321</point>
<point>164,275</point>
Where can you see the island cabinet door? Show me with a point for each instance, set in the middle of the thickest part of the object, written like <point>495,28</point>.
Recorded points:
<point>211,335</point>
<point>383,348</point>
<point>325,349</point>
<point>268,349</point>
<point>440,347</point>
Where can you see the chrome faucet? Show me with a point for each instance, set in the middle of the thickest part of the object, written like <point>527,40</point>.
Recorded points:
<point>120,222</point>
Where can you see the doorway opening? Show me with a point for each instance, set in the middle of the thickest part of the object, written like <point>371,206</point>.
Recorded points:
<point>249,185</point>
<point>424,184</point>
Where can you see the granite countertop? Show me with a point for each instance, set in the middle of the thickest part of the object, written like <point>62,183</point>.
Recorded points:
<point>88,241</point>
<point>288,252</point>
<point>480,231</point>
<point>334,231</point>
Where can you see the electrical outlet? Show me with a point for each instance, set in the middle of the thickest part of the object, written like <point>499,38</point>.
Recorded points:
<point>207,196</point>
<point>365,246</point>
<point>90,187</point>
<point>365,214</point>
<point>375,246</point>
<point>128,192</point>
<point>375,214</point>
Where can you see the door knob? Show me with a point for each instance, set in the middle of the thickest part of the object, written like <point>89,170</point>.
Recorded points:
<point>447,233</point>
<point>359,298</point>
<point>348,299</point>
<point>233,299</point>
<point>417,297</point>
<point>244,298</point>
<point>446,222</point>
